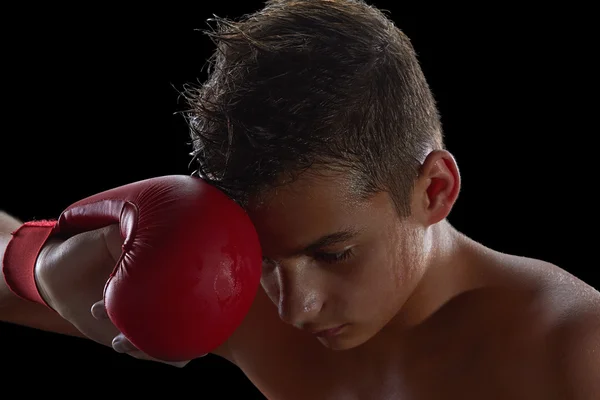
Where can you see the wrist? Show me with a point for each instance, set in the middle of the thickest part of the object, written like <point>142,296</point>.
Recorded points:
<point>42,261</point>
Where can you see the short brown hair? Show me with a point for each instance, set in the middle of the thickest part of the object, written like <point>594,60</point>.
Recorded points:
<point>300,84</point>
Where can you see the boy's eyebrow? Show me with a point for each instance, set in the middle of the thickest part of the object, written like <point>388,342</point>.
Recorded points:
<point>329,239</point>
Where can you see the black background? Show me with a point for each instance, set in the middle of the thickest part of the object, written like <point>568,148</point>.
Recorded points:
<point>91,96</point>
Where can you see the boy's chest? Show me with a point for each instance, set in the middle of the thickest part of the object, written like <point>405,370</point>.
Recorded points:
<point>475,360</point>
<point>434,378</point>
<point>451,368</point>
<point>486,369</point>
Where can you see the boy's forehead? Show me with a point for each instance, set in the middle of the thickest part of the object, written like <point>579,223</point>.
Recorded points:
<point>311,188</point>
<point>296,214</point>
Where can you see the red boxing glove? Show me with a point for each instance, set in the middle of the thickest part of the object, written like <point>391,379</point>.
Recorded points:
<point>189,270</point>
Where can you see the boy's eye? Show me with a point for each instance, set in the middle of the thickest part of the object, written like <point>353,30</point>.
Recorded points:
<point>333,258</point>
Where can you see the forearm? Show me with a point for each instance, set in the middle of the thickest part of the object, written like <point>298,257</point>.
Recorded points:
<point>18,311</point>
<point>8,223</point>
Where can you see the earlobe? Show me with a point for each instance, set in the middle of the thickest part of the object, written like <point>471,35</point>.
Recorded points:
<point>440,172</point>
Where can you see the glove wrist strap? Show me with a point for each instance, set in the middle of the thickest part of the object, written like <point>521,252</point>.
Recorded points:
<point>20,256</point>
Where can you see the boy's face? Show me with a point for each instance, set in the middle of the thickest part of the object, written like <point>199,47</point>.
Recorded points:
<point>333,260</point>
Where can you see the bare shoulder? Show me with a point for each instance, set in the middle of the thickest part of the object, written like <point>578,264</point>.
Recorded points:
<point>575,336</point>
<point>569,299</point>
<point>570,309</point>
<point>576,342</point>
